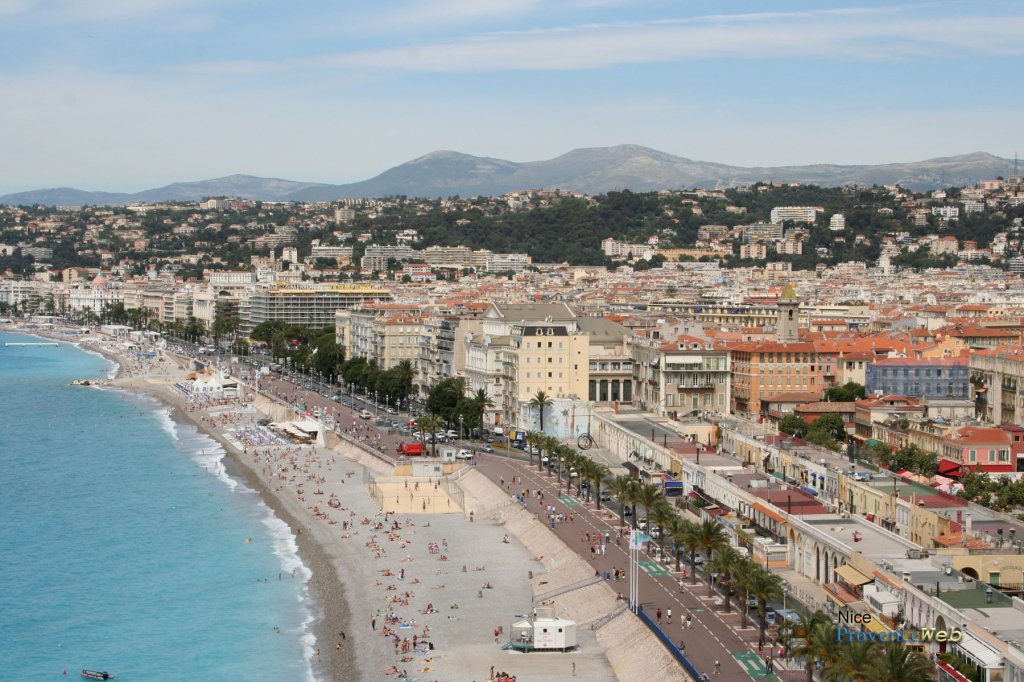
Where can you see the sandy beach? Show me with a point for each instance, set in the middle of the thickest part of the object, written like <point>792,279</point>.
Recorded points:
<point>415,590</point>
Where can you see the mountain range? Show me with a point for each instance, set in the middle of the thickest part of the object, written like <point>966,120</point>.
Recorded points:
<point>592,171</point>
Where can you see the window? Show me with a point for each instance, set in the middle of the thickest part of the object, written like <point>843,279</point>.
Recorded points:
<point>549,344</point>
<point>549,375</point>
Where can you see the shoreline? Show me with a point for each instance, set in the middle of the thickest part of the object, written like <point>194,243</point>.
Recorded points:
<point>345,584</point>
<point>330,611</point>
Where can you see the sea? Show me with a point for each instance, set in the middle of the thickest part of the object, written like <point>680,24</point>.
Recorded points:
<point>126,547</point>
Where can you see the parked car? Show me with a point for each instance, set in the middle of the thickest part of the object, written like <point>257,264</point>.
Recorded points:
<point>627,510</point>
<point>641,523</point>
<point>606,496</point>
<point>769,616</point>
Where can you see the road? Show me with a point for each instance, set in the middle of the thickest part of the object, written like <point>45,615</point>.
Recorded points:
<point>711,637</point>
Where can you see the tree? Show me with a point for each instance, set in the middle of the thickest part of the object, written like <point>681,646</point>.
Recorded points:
<point>725,563</point>
<point>541,401</point>
<point>647,495</point>
<point>676,529</point>
<point>444,398</point>
<point>659,517</point>
<point>533,438</point>
<point>431,424</point>
<point>847,393</point>
<point>763,586</point>
<point>712,538</point>
<point>793,425</point>
<point>741,578</point>
<point>897,663</point>
<point>690,537</point>
<point>830,425</point>
<point>621,488</point>
<point>481,403</point>
<point>812,638</point>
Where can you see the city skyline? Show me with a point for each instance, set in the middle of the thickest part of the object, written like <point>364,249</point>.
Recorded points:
<point>114,95</point>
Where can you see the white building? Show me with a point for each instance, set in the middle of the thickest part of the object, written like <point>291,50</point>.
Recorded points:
<point>837,223</point>
<point>800,214</point>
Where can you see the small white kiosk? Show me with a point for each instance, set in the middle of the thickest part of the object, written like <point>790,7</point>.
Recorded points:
<point>543,631</point>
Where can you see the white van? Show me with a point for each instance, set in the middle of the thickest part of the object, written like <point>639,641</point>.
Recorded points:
<point>366,414</point>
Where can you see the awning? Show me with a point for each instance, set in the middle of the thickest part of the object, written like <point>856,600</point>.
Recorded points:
<point>770,513</point>
<point>876,625</point>
<point>840,595</point>
<point>809,491</point>
<point>946,466</point>
<point>978,650</point>
<point>852,576</point>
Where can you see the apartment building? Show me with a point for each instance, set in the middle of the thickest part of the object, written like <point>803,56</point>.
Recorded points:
<point>799,214</point>
<point>311,307</point>
<point>679,376</point>
<point>762,371</point>
<point>997,379</point>
<point>921,377</point>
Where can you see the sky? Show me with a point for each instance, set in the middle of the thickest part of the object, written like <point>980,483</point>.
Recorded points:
<point>124,95</point>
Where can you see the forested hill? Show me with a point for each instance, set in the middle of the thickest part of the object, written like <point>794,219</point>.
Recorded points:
<point>570,229</point>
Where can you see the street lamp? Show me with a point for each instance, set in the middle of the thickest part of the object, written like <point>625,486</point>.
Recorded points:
<point>785,589</point>
<point>462,418</point>
<point>376,405</point>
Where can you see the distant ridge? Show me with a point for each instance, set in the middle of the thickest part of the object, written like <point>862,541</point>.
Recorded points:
<point>592,170</point>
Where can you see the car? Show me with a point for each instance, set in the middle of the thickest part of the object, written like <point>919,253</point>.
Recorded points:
<point>488,439</point>
<point>452,435</point>
<point>487,448</point>
<point>627,510</point>
<point>533,450</point>
<point>769,616</point>
<point>752,603</point>
<point>365,414</point>
<point>441,437</point>
<point>463,454</point>
<point>641,523</point>
<point>606,496</point>
<point>655,533</point>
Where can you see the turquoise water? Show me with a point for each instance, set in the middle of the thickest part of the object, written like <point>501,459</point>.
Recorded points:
<point>123,543</point>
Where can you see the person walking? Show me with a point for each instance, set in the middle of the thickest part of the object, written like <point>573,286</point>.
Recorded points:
<point>718,667</point>
<point>658,614</point>
<point>668,612</point>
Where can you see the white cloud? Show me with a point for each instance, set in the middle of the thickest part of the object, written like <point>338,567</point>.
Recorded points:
<point>832,34</point>
<point>11,7</point>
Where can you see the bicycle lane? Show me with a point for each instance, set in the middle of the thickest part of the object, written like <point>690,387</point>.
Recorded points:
<point>709,639</point>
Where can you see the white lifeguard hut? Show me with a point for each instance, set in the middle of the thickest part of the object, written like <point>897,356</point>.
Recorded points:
<point>543,631</point>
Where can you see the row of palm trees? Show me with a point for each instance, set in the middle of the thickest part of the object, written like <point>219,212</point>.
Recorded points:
<point>814,640</point>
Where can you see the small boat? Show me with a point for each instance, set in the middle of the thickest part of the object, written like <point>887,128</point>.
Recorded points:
<point>97,675</point>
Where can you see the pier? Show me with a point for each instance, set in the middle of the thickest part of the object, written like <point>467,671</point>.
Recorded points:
<point>30,343</point>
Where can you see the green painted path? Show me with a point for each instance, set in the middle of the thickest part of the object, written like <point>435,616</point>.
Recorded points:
<point>753,665</point>
<point>568,501</point>
<point>653,569</point>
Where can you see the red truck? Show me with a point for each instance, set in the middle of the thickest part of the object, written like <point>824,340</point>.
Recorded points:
<point>410,449</point>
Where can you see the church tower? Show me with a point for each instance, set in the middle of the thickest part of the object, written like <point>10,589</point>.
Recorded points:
<point>787,328</point>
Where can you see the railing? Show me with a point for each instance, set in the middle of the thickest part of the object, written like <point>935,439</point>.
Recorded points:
<point>579,584</point>
<point>670,645</point>
<point>599,623</point>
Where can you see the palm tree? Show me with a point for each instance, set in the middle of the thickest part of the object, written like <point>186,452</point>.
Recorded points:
<point>422,426</point>
<point>726,560</point>
<point>897,663</point>
<point>647,495</point>
<point>712,537</point>
<point>854,660</point>
<point>433,424</point>
<point>620,487</point>
<point>660,516</point>
<point>540,401</point>
<point>691,539</point>
<point>481,402</point>
<point>584,467</point>
<point>763,586</point>
<point>676,529</point>
<point>741,578</point>
<point>598,473</point>
<point>551,445</point>
<point>812,639</point>
<point>534,438</point>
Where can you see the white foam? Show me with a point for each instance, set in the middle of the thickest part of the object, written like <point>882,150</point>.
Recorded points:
<point>167,424</point>
<point>287,550</point>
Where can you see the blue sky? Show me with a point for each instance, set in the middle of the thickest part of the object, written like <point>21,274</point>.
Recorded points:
<point>130,94</point>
